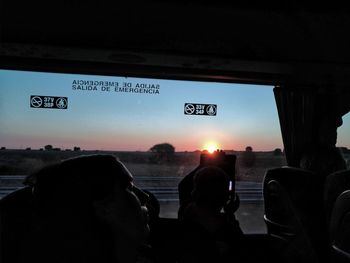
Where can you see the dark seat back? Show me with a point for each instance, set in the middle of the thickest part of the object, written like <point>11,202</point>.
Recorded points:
<point>174,240</point>
<point>336,183</point>
<point>16,226</point>
<point>340,228</point>
<point>294,213</point>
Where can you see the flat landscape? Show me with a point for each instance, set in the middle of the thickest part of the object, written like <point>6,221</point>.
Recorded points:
<point>24,162</point>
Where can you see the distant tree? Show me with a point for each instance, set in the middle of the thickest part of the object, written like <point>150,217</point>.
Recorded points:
<point>48,147</point>
<point>163,148</point>
<point>28,149</point>
<point>76,149</point>
<point>3,148</point>
<point>277,152</point>
<point>56,149</point>
<point>248,157</point>
<point>162,152</point>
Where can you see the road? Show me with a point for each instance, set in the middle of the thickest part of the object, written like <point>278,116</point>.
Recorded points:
<point>164,188</point>
<point>250,213</point>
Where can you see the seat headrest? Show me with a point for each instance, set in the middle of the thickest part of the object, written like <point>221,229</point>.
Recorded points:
<point>292,178</point>
<point>335,184</point>
<point>340,219</point>
<point>303,188</point>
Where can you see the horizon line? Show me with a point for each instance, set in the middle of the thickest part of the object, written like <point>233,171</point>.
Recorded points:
<point>58,149</point>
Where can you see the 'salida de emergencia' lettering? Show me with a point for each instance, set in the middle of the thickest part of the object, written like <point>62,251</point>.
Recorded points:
<point>92,84</point>
<point>148,89</point>
<point>128,87</point>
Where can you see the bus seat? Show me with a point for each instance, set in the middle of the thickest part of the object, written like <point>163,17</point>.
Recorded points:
<point>15,225</point>
<point>165,239</point>
<point>294,213</point>
<point>173,240</point>
<point>340,228</point>
<point>335,184</point>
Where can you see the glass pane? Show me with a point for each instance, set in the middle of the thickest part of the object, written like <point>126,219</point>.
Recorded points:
<point>47,117</point>
<point>343,140</point>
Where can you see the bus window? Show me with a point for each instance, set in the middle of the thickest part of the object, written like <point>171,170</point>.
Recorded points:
<point>157,127</point>
<point>343,141</point>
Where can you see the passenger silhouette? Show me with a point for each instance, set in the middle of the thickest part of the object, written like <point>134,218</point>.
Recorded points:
<point>210,195</point>
<point>219,159</point>
<point>323,160</point>
<point>83,209</point>
<point>322,156</point>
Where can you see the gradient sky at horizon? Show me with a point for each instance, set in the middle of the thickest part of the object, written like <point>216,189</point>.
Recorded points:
<point>100,120</point>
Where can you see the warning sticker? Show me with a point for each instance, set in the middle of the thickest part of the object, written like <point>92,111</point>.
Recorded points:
<point>48,102</point>
<point>200,109</point>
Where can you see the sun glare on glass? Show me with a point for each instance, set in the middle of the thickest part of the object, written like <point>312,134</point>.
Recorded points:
<point>211,147</point>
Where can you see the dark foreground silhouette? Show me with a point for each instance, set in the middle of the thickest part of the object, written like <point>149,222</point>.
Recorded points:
<point>84,209</point>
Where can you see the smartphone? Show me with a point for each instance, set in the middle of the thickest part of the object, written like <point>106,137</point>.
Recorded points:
<point>227,162</point>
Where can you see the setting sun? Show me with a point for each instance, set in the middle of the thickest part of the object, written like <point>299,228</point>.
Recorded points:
<point>211,147</point>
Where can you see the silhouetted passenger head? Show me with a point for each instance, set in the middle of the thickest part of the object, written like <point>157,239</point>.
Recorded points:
<point>95,192</point>
<point>211,187</point>
<point>323,160</point>
<point>327,130</point>
<point>210,234</point>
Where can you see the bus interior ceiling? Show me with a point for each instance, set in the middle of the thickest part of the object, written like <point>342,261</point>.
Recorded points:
<point>302,48</point>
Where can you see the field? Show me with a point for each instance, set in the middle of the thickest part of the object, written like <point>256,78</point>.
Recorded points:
<point>139,163</point>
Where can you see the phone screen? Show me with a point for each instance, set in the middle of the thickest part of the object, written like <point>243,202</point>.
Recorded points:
<point>225,161</point>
